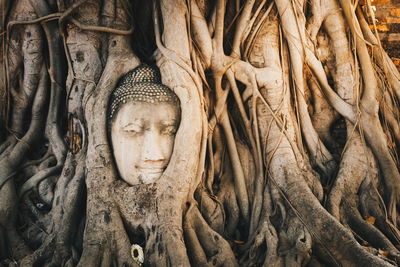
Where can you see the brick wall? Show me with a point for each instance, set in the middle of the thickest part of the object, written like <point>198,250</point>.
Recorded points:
<point>388,16</point>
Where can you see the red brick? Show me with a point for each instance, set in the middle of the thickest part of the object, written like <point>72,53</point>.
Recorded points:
<point>380,2</point>
<point>380,28</point>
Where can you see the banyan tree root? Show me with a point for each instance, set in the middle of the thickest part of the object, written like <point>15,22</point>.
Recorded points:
<point>285,153</point>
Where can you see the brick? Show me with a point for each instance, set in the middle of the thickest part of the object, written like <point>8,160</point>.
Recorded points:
<point>394,27</point>
<point>390,37</point>
<point>391,48</point>
<point>395,12</point>
<point>380,2</point>
<point>381,28</point>
<point>393,20</point>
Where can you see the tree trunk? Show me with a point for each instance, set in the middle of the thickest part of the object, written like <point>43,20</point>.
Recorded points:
<point>286,152</point>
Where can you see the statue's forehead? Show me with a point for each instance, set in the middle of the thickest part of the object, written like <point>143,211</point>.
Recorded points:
<point>142,113</point>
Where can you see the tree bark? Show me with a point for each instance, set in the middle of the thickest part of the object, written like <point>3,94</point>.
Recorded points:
<point>286,152</point>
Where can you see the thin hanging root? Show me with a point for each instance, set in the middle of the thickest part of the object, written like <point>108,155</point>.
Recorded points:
<point>255,32</point>
<point>232,210</point>
<point>389,116</point>
<point>242,24</point>
<point>211,168</point>
<point>218,39</point>
<point>53,130</point>
<point>53,16</point>
<point>216,159</point>
<point>100,28</point>
<point>240,182</point>
<point>203,148</point>
<point>315,22</point>
<point>251,23</point>
<point>255,151</point>
<point>200,34</point>
<point>370,82</point>
<point>345,109</point>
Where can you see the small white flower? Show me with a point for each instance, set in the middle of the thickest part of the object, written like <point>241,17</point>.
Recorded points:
<point>137,254</point>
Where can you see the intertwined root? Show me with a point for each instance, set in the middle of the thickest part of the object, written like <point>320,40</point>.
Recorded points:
<point>257,177</point>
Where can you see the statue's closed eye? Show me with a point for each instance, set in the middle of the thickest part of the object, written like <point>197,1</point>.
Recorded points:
<point>169,130</point>
<point>133,128</point>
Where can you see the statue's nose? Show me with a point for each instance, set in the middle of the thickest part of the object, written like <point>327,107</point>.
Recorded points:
<point>152,147</point>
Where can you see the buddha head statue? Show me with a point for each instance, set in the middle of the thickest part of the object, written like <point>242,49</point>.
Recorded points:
<point>144,116</point>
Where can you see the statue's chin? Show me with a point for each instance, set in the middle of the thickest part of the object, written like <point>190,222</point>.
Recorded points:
<point>144,177</point>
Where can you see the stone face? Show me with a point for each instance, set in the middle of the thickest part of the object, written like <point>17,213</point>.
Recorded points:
<point>144,116</point>
<point>142,137</point>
